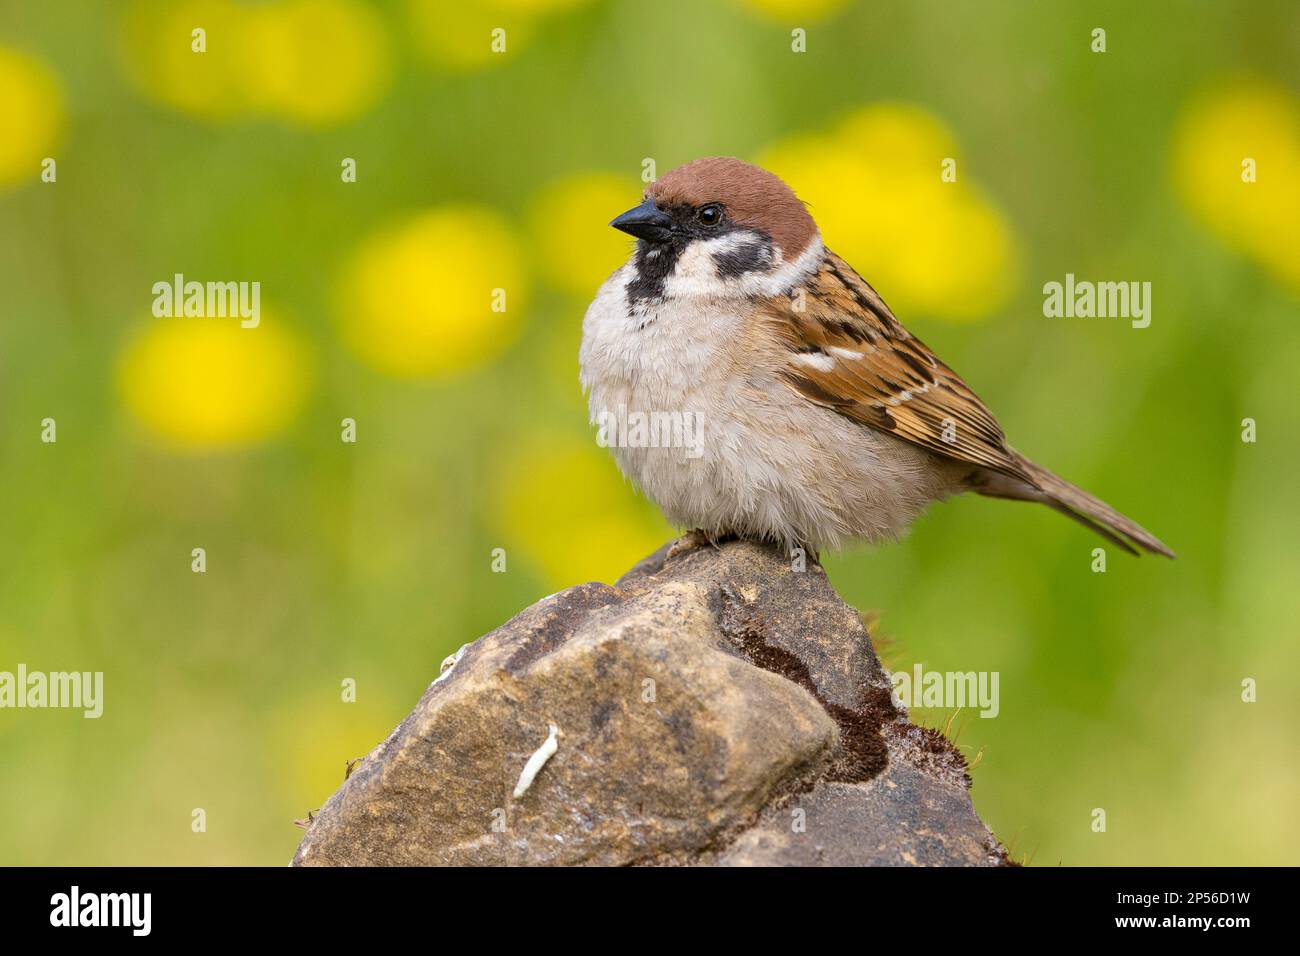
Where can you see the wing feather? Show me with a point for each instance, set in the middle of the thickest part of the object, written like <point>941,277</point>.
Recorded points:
<point>849,353</point>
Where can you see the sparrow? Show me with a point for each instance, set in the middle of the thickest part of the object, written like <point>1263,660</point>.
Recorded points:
<point>821,419</point>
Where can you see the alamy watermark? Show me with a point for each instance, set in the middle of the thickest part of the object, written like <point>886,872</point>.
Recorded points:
<point>1102,300</point>
<point>83,690</point>
<point>922,688</point>
<point>212,300</point>
<point>130,910</point>
<point>636,429</point>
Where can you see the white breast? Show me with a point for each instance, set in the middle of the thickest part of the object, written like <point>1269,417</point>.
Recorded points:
<point>768,464</point>
<point>661,351</point>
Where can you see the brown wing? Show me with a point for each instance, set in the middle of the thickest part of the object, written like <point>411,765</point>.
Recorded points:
<point>848,352</point>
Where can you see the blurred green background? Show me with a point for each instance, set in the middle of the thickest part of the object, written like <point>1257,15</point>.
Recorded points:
<point>479,170</point>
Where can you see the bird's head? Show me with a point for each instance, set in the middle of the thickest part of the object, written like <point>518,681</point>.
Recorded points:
<point>719,227</point>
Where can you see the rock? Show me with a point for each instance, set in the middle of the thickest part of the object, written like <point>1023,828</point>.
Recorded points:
<point>714,707</point>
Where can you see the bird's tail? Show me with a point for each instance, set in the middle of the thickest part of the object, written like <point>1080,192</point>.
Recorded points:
<point>1092,512</point>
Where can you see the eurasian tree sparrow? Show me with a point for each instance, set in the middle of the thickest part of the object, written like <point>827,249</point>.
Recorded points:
<point>823,418</point>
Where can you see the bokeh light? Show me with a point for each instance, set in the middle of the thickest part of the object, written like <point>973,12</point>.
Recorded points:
<point>314,62</point>
<point>594,535</point>
<point>787,11</point>
<point>874,185</point>
<point>157,52</point>
<point>202,383</point>
<point>571,233</point>
<point>1221,131</point>
<point>436,294</point>
<point>318,62</point>
<point>31,118</point>
<point>476,34</point>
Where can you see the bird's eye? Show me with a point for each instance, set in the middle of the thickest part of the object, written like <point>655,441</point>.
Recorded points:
<point>710,215</point>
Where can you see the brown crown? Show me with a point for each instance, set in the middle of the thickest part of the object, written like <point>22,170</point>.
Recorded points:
<point>752,196</point>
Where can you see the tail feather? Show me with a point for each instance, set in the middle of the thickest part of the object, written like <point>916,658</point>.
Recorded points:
<point>1092,512</point>
<point>1091,525</point>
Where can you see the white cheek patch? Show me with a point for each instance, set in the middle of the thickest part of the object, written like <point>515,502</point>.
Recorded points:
<point>696,273</point>
<point>785,275</point>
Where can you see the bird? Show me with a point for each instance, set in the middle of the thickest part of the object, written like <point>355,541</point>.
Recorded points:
<point>816,419</point>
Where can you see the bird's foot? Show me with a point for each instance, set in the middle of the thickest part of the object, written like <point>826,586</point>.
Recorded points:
<point>695,538</point>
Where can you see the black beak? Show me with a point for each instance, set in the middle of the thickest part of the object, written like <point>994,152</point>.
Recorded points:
<point>646,221</point>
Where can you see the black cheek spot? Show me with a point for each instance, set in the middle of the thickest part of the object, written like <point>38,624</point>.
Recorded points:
<point>752,255</point>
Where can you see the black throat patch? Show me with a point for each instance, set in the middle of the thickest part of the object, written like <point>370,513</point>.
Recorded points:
<point>753,254</point>
<point>654,262</point>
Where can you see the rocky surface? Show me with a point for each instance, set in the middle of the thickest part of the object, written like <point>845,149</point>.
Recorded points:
<point>714,707</point>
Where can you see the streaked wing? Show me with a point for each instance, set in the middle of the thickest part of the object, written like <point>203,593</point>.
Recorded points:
<point>848,352</point>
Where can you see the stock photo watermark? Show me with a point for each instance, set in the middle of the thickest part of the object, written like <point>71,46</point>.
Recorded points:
<point>208,300</point>
<point>1082,299</point>
<point>622,428</point>
<point>947,689</point>
<point>127,910</point>
<point>71,690</point>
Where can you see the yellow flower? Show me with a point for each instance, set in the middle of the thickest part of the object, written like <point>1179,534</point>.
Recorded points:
<point>874,185</point>
<point>31,117</point>
<point>783,10</point>
<point>534,6</point>
<point>566,508</point>
<point>473,34</point>
<point>157,49</point>
<point>1224,136</point>
<point>434,295</point>
<point>203,383</point>
<point>570,228</point>
<point>317,62</point>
